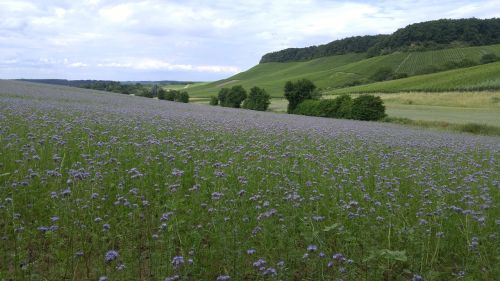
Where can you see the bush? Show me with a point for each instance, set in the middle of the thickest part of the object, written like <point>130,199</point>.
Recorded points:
<point>339,107</point>
<point>170,95</point>
<point>488,58</point>
<point>162,93</point>
<point>182,97</point>
<point>223,97</point>
<point>173,95</point>
<point>308,108</point>
<point>297,92</point>
<point>382,74</point>
<point>368,107</point>
<point>232,97</point>
<point>214,100</point>
<point>258,99</point>
<point>236,96</point>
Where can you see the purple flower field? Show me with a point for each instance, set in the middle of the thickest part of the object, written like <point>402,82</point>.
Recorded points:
<point>102,186</point>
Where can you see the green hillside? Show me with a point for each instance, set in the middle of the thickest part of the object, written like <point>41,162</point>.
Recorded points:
<point>476,78</point>
<point>334,72</point>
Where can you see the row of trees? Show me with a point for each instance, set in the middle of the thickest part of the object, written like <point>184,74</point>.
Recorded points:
<point>303,98</point>
<point>363,107</point>
<point>173,95</point>
<point>429,35</point>
<point>357,44</point>
<point>256,99</point>
<point>136,89</point>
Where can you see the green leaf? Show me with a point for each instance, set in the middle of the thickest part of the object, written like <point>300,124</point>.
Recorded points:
<point>388,254</point>
<point>331,227</point>
<point>394,255</point>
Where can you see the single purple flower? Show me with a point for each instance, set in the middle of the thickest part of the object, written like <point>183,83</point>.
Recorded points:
<point>111,255</point>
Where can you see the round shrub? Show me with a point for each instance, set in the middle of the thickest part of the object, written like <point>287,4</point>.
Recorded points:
<point>170,95</point>
<point>162,94</point>
<point>488,58</point>
<point>368,107</point>
<point>182,97</point>
<point>258,99</point>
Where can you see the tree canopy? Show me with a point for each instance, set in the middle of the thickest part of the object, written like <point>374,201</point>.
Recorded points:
<point>258,99</point>
<point>298,91</point>
<point>232,97</point>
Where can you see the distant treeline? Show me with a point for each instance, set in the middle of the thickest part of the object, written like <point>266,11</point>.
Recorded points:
<point>146,89</point>
<point>100,85</point>
<point>82,83</point>
<point>358,44</point>
<point>423,36</point>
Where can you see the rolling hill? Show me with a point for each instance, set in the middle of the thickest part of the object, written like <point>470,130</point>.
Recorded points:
<point>476,78</point>
<point>340,71</point>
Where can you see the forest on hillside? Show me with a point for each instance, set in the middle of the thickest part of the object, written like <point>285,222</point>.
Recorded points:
<point>430,35</point>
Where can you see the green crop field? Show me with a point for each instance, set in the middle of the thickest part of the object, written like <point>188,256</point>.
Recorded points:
<point>453,115</point>
<point>476,78</point>
<point>333,72</point>
<point>449,107</point>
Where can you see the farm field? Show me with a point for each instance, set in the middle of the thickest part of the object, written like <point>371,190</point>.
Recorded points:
<point>455,115</point>
<point>182,87</point>
<point>451,107</point>
<point>476,78</point>
<point>96,185</point>
<point>333,72</point>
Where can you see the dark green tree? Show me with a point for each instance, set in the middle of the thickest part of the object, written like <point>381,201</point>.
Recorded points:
<point>214,100</point>
<point>146,92</point>
<point>236,95</point>
<point>258,99</point>
<point>296,92</point>
<point>368,107</point>
<point>154,90</point>
<point>171,95</point>
<point>182,96</point>
<point>162,94</point>
<point>224,97</point>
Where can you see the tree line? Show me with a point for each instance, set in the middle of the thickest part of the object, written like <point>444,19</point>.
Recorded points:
<point>424,36</point>
<point>304,98</point>
<point>236,97</point>
<point>143,89</point>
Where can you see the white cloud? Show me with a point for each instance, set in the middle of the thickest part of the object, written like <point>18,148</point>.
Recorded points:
<point>192,39</point>
<point>119,13</point>
<point>77,64</point>
<point>156,64</point>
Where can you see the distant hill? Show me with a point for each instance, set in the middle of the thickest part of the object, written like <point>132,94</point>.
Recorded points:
<point>340,71</point>
<point>425,36</point>
<point>86,83</point>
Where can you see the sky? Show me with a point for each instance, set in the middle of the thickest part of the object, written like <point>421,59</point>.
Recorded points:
<point>190,40</point>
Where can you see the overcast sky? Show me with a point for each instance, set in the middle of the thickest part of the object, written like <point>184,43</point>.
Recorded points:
<point>189,40</point>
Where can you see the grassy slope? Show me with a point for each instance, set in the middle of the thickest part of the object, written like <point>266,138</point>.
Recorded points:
<point>481,77</point>
<point>332,72</point>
